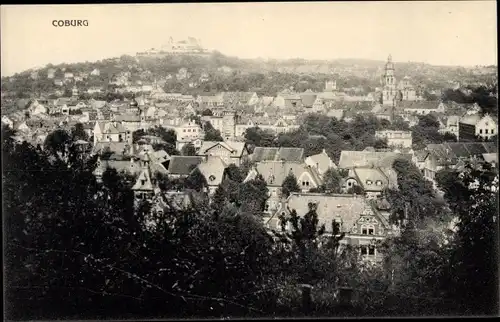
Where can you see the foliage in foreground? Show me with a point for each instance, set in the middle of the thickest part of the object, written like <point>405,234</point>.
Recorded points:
<point>74,245</point>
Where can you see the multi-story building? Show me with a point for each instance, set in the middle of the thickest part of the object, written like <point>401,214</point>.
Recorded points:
<point>398,139</point>
<point>487,127</point>
<point>231,152</point>
<point>275,172</point>
<point>365,222</point>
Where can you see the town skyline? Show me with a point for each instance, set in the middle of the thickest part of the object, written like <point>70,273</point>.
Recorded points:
<point>269,31</point>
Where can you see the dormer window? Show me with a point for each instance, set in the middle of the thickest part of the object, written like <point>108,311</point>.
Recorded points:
<point>369,182</point>
<point>143,182</point>
<point>211,178</point>
<point>379,183</point>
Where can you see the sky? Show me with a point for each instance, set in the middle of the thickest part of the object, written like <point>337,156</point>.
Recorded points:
<point>434,32</point>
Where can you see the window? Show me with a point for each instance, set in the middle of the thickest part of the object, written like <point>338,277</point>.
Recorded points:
<point>379,183</point>
<point>369,182</point>
<point>486,131</point>
<point>368,250</point>
<point>370,231</point>
<point>143,182</point>
<point>211,178</point>
<point>481,131</point>
<point>492,131</point>
<point>364,231</point>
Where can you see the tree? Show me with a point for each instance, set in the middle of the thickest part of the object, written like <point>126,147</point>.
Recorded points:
<point>212,134</point>
<point>289,185</point>
<point>167,135</point>
<point>253,194</point>
<point>196,180</point>
<point>255,136</point>
<point>333,180</point>
<point>381,144</point>
<point>78,133</point>
<point>306,235</point>
<point>234,173</point>
<point>188,150</point>
<point>356,189</point>
<point>474,259</point>
<point>57,142</point>
<point>168,147</point>
<point>415,199</point>
<point>207,112</point>
<point>137,135</point>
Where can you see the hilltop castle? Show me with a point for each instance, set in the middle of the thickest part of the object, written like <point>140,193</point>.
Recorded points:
<point>190,46</point>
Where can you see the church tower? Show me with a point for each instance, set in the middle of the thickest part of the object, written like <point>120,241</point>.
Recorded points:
<point>389,92</point>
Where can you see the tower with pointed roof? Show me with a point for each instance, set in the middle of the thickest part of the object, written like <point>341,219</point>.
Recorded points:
<point>145,186</point>
<point>390,90</point>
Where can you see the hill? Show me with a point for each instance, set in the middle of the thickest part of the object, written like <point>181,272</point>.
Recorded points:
<point>216,72</point>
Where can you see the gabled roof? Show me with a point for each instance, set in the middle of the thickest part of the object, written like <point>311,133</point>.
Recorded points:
<point>277,154</point>
<point>275,172</point>
<point>242,97</point>
<point>97,104</point>
<point>115,147</point>
<point>236,148</point>
<point>420,155</point>
<point>371,179</point>
<point>114,128</point>
<point>143,182</point>
<point>322,160</point>
<point>213,170</point>
<point>470,119</point>
<point>490,157</point>
<point>183,165</point>
<point>345,208</point>
<point>427,105</point>
<point>160,156</point>
<point>356,159</point>
<point>308,98</point>
<point>127,117</point>
<point>457,150</point>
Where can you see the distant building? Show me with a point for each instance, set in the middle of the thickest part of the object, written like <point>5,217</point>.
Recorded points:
<point>389,90</point>
<point>330,86</point>
<point>51,72</point>
<point>399,139</point>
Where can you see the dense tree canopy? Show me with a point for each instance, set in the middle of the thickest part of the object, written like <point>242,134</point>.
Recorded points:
<point>212,134</point>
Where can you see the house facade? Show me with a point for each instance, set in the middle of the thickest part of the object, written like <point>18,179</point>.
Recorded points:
<point>399,139</point>
<point>487,127</point>
<point>364,222</point>
<point>275,172</point>
<point>231,152</point>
